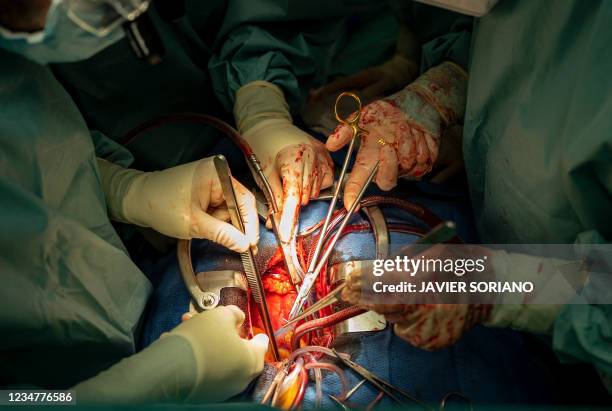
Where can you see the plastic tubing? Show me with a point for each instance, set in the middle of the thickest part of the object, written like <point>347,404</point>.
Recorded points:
<point>331,368</point>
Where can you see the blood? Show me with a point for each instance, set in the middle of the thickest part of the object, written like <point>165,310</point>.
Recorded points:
<point>280,295</point>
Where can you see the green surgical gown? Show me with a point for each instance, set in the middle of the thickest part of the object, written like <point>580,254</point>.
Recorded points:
<point>538,141</point>
<point>217,47</point>
<point>71,297</point>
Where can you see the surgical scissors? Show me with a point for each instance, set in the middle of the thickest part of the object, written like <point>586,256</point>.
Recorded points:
<point>316,264</point>
<point>353,123</point>
<point>287,247</point>
<point>439,234</point>
<point>311,276</point>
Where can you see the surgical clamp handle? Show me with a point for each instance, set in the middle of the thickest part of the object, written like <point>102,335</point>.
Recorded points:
<point>248,259</point>
<point>353,123</point>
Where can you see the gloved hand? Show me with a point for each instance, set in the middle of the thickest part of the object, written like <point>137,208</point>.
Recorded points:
<point>434,326</point>
<point>296,165</point>
<point>389,77</point>
<point>182,202</point>
<point>201,360</point>
<point>403,130</point>
<point>441,320</point>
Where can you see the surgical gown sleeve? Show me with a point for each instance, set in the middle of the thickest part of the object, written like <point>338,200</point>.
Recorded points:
<point>71,297</point>
<point>537,142</point>
<point>583,332</point>
<point>443,34</point>
<point>292,44</point>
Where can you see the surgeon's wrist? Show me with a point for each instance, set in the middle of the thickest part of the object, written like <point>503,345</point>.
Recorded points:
<point>259,101</point>
<point>416,111</point>
<point>162,372</point>
<point>117,182</point>
<point>444,87</point>
<point>536,319</point>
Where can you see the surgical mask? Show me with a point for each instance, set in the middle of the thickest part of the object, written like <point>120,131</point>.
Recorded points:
<point>74,30</point>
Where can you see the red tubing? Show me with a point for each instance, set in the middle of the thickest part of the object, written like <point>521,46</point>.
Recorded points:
<point>320,323</point>
<point>196,118</point>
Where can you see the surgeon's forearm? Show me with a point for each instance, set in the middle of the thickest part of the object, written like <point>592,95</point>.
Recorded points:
<point>537,311</point>
<point>536,319</point>
<point>116,182</point>
<point>163,372</point>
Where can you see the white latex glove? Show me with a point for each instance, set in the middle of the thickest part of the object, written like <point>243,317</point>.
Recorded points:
<point>201,360</point>
<point>182,202</point>
<point>296,165</point>
<point>403,130</point>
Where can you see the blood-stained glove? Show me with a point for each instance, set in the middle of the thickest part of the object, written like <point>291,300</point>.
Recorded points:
<point>403,130</point>
<point>182,202</point>
<point>296,165</point>
<point>201,360</point>
<point>433,325</point>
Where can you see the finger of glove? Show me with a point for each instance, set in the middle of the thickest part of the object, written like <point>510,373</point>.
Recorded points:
<point>308,174</point>
<point>327,168</point>
<point>248,211</point>
<point>258,346</point>
<point>276,185</point>
<point>291,175</point>
<point>421,145</point>
<point>339,138</point>
<point>328,175</point>
<point>221,233</point>
<point>420,169</point>
<point>187,316</point>
<point>433,145</point>
<point>365,162</point>
<point>318,180</point>
<point>386,176</point>
<point>407,151</point>
<point>233,315</point>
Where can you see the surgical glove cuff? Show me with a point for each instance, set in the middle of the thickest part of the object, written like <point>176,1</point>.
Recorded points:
<point>536,319</point>
<point>224,362</point>
<point>524,312</point>
<point>259,101</point>
<point>160,199</point>
<point>116,183</point>
<point>436,98</point>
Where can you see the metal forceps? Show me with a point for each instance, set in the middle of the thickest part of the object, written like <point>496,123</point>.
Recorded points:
<point>386,387</point>
<point>248,260</point>
<point>315,265</point>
